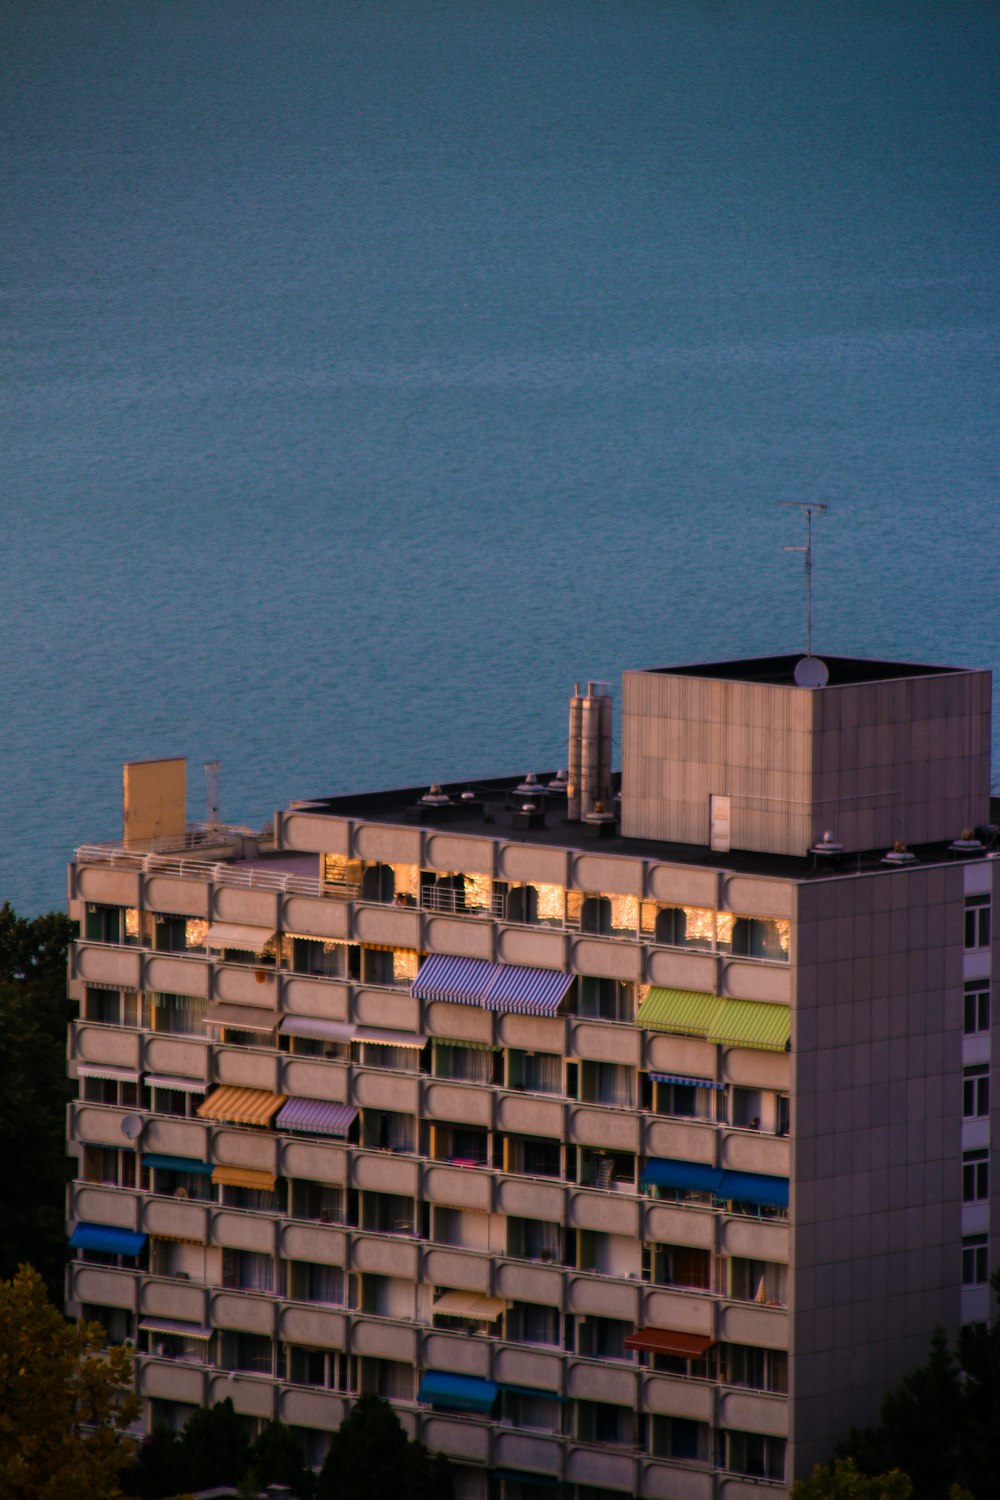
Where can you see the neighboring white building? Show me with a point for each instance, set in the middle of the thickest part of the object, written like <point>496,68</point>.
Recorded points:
<point>630,1143</point>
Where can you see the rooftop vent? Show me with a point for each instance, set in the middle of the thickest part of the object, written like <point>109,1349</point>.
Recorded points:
<point>899,855</point>
<point>559,783</point>
<point>435,797</point>
<point>828,845</point>
<point>531,785</point>
<point>968,843</point>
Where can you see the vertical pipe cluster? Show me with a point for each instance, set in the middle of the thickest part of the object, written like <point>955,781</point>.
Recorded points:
<point>589,750</point>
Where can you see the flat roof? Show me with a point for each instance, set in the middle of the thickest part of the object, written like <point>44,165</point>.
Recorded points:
<point>492,812</point>
<point>779,670</point>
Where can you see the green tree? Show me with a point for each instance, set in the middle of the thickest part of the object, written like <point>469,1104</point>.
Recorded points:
<point>370,1456</point>
<point>65,1401</point>
<point>34,1014</point>
<point>215,1446</point>
<point>278,1457</point>
<point>979,1358</point>
<point>842,1480</point>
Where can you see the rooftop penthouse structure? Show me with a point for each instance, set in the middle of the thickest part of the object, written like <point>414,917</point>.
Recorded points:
<point>629,1133</point>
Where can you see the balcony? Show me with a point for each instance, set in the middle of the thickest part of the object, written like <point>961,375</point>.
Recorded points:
<point>172,1380</point>
<point>171,1297</point>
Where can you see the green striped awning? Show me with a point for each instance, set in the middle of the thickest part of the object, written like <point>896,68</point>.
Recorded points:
<point>752,1023</point>
<point>689,1012</point>
<point>456,1041</point>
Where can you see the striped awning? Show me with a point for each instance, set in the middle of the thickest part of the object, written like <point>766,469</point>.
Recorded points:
<point>665,1341</point>
<point>237,1106</point>
<point>174,1325</point>
<point>509,989</point>
<point>105,1070</point>
<point>237,935</point>
<point>752,1023</point>
<point>183,1085</point>
<point>317,1028</point>
<point>472,1305</point>
<point>683,1078</point>
<point>379,1038</point>
<point>244,1177</point>
<point>686,1012</point>
<point>462,1041</point>
<point>242,1017</point>
<point>316,1117</point>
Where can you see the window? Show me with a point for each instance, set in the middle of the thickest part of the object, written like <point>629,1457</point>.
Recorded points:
<point>603,1169</point>
<point>386,1130</point>
<point>469,1064</point>
<point>118,1324</point>
<point>680,1438</point>
<point>684,927</point>
<point>107,1164</point>
<point>748,1105</point>
<point>607,1083</point>
<point>761,1369</point>
<point>603,1338</point>
<point>977,1006</point>
<point>533,1157</point>
<point>388,1378</point>
<point>111,924</point>
<point>535,1072</point>
<point>529,1323</point>
<point>606,999</point>
<point>121,1092</point>
<point>111,1007</point>
<point>248,1271</point>
<point>758,1281</point>
<point>756,937</point>
<point>327,959</point>
<point>976,1091</point>
<point>975,1260</point>
<point>314,1046</point>
<point>975,1176</point>
<point>317,1367</point>
<point>378,883</point>
<point>754,1455</point>
<point>252,1352</point>
<point>315,1201</point>
<point>682,1265</point>
<point>977,921</point>
<point>179,1102</point>
<point>541,1413</point>
<point>256,1199</point>
<point>599,1422</point>
<point>400,1059</point>
<point>169,1184</point>
<point>534,1239</point>
<point>467,1144</point>
<point>387,1213</point>
<point>178,1015</point>
<point>685,1101</point>
<point>309,1281</point>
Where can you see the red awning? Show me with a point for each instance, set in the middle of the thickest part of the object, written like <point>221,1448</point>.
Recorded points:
<point>663,1341</point>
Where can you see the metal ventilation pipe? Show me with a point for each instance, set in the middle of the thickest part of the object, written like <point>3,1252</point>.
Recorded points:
<point>595,748</point>
<point>575,759</point>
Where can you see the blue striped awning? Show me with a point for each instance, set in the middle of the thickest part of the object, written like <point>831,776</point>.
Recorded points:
<point>176,1163</point>
<point>316,1116</point>
<point>754,1187</point>
<point>690,1176</point>
<point>460,1392</point>
<point>510,989</point>
<point>107,1238</point>
<point>692,1083</point>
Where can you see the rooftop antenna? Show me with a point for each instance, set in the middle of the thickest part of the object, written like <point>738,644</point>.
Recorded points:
<point>809,508</point>
<point>212,792</point>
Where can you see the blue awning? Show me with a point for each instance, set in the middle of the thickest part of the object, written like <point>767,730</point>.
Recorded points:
<point>691,1083</point>
<point>692,1176</point>
<point>510,989</point>
<point>176,1163</point>
<point>108,1238</point>
<point>754,1187</point>
<point>461,1392</point>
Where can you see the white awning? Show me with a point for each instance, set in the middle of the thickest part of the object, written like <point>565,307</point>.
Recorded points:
<point>234,935</point>
<point>182,1085</point>
<point>174,1325</point>
<point>242,1017</point>
<point>105,1070</point>
<point>317,1028</point>
<point>472,1305</point>
<point>388,1038</point>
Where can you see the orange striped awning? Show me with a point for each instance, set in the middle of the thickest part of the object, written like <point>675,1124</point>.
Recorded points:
<point>236,1106</point>
<point>244,1177</point>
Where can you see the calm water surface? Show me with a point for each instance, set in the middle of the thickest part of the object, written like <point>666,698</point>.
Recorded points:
<point>374,369</point>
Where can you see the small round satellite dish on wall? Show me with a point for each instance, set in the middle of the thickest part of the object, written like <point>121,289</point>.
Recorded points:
<point>131,1127</point>
<point>810,672</point>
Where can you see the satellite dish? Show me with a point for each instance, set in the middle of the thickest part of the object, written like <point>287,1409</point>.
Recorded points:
<point>131,1127</point>
<point>810,672</point>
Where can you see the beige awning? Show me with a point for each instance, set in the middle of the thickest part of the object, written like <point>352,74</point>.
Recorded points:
<point>242,1017</point>
<point>472,1305</point>
<point>237,1106</point>
<point>235,935</point>
<point>244,1177</point>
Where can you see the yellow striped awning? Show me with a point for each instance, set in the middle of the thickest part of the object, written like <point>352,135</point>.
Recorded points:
<point>687,1012</point>
<point>237,1106</point>
<point>244,1177</point>
<point>752,1023</point>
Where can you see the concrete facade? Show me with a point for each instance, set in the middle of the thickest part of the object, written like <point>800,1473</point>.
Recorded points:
<point>506,1198</point>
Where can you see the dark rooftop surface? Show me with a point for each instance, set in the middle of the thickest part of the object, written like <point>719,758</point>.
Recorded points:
<point>779,670</point>
<point>496,811</point>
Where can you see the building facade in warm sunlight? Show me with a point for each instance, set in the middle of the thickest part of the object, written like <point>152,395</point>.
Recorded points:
<point>630,1134</point>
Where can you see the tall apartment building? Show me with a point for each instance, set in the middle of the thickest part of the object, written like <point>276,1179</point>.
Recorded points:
<point>627,1141</point>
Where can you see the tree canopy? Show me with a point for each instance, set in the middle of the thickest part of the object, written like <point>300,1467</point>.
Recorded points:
<point>65,1401</point>
<point>215,1449</point>
<point>34,1014</point>
<point>370,1455</point>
